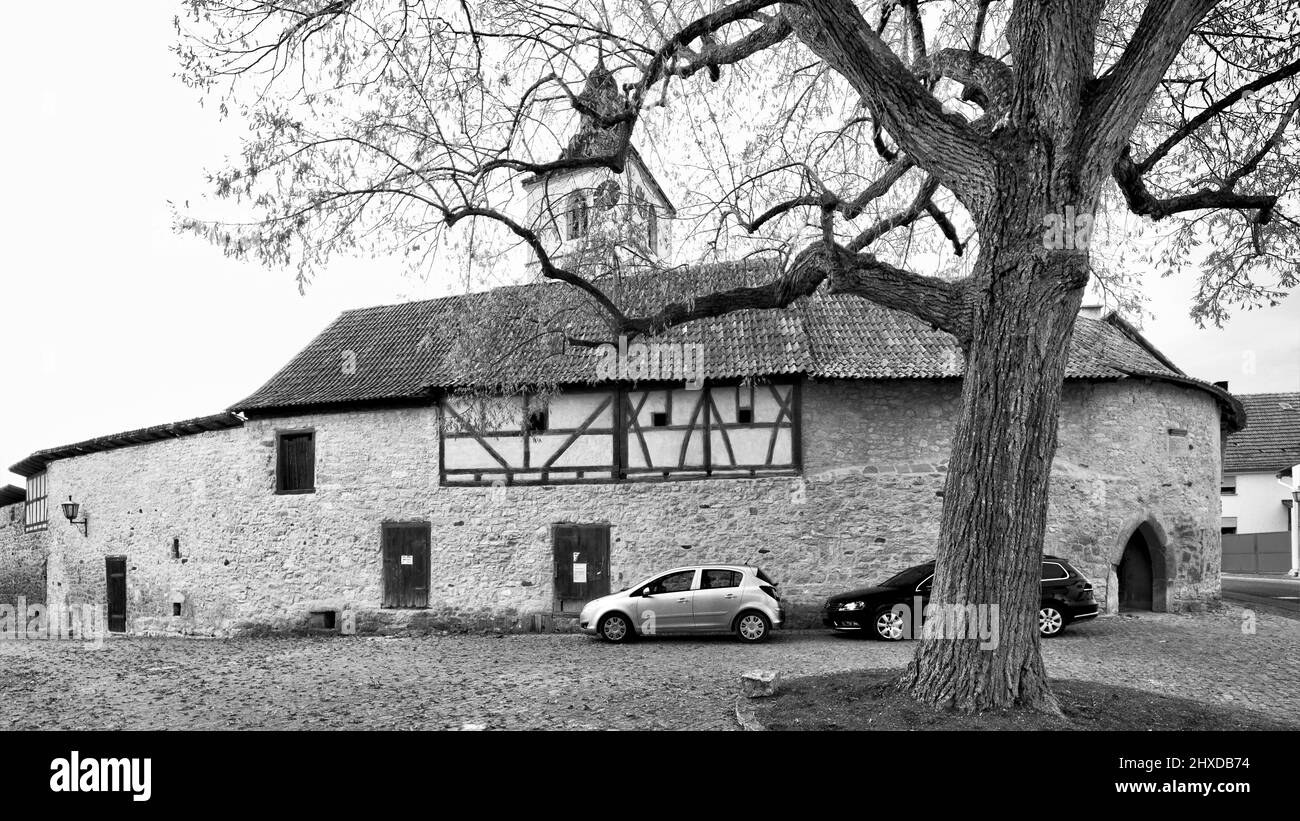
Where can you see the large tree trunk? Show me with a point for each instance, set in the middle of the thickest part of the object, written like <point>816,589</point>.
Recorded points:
<point>995,498</point>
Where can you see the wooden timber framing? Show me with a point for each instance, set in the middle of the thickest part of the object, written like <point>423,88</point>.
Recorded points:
<point>631,457</point>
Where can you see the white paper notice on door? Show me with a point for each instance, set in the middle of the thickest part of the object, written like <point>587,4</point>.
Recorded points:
<point>408,560</point>
<point>579,573</point>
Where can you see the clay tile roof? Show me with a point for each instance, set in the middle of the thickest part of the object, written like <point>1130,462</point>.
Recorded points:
<point>411,350</point>
<point>1271,439</point>
<point>37,461</point>
<point>9,494</point>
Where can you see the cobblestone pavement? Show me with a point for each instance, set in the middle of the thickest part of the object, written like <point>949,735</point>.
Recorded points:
<point>570,681</point>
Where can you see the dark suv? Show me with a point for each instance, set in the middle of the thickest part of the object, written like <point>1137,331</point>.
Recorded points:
<point>1066,597</point>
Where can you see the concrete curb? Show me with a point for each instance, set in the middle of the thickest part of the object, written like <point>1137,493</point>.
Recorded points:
<point>1270,606</point>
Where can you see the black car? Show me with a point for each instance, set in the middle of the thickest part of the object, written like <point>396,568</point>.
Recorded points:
<point>1066,597</point>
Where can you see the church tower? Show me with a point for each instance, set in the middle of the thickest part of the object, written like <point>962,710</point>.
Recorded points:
<point>585,215</point>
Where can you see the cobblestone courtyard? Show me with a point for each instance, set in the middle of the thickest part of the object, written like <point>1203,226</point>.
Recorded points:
<point>571,681</point>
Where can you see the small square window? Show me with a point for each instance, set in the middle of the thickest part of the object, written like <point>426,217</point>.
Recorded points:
<point>295,470</point>
<point>176,608</point>
<point>1178,442</point>
<point>1228,486</point>
<point>659,419</point>
<point>538,421</point>
<point>745,403</point>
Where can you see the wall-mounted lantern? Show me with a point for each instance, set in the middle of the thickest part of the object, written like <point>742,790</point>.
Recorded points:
<point>70,509</point>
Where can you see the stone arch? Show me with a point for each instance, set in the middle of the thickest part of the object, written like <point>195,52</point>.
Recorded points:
<point>1143,533</point>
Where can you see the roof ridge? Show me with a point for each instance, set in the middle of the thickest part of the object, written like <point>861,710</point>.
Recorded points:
<point>1131,330</point>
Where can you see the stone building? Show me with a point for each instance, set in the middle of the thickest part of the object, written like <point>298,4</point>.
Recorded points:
<point>22,554</point>
<point>365,487</point>
<point>356,488</point>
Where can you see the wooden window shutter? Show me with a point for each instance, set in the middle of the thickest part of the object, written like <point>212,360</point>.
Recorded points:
<point>296,468</point>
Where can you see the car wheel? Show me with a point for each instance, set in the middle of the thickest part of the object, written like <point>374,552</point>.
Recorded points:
<point>889,624</point>
<point>753,627</point>
<point>615,628</point>
<point>1050,621</point>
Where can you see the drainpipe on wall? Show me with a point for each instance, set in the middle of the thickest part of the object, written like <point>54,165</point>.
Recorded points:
<point>1294,572</point>
<point>1290,479</point>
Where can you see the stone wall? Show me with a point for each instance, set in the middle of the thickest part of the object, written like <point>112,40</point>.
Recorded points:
<point>867,505</point>
<point>22,558</point>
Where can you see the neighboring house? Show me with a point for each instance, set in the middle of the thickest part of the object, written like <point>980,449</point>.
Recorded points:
<point>22,554</point>
<point>1257,501</point>
<point>362,487</point>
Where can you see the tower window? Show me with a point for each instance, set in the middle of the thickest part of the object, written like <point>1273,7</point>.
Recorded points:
<point>579,215</point>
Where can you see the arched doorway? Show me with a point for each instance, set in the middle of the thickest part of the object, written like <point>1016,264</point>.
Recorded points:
<point>1136,591</point>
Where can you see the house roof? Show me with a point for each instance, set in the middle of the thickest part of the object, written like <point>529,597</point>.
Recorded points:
<point>37,461</point>
<point>1271,439</point>
<point>10,494</point>
<point>415,349</point>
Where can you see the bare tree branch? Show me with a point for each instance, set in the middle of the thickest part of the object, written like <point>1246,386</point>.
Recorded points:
<point>1121,94</point>
<point>939,142</point>
<point>1214,109</point>
<point>1142,202</point>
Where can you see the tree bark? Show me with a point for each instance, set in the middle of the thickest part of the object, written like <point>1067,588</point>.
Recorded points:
<point>995,496</point>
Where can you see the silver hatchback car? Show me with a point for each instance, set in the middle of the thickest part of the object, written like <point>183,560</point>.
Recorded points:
<point>705,598</point>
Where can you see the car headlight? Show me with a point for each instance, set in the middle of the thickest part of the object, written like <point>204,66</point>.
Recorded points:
<point>852,605</point>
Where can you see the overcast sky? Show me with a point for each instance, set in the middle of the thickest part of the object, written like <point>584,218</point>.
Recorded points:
<point>113,322</point>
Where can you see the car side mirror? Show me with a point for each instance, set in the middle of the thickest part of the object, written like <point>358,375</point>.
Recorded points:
<point>645,592</point>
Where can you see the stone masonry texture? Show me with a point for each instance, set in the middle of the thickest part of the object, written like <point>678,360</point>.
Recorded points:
<point>22,558</point>
<point>875,455</point>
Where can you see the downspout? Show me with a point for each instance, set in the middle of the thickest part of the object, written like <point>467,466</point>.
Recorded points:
<point>1289,478</point>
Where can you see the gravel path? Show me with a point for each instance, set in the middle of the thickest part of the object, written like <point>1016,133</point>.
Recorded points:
<point>568,681</point>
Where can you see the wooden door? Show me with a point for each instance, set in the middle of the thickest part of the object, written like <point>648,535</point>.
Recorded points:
<point>1135,588</point>
<point>581,564</point>
<point>406,564</point>
<point>115,570</point>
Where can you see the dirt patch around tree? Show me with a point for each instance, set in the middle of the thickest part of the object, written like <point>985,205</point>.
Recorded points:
<point>869,700</point>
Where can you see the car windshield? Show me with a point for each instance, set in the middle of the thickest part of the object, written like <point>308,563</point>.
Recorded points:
<point>763,577</point>
<point>908,577</point>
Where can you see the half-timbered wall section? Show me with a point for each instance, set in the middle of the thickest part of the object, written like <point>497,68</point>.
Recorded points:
<point>642,433</point>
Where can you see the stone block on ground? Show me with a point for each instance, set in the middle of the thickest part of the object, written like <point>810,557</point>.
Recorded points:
<point>759,683</point>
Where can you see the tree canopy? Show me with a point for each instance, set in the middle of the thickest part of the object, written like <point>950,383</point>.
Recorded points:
<point>406,128</point>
